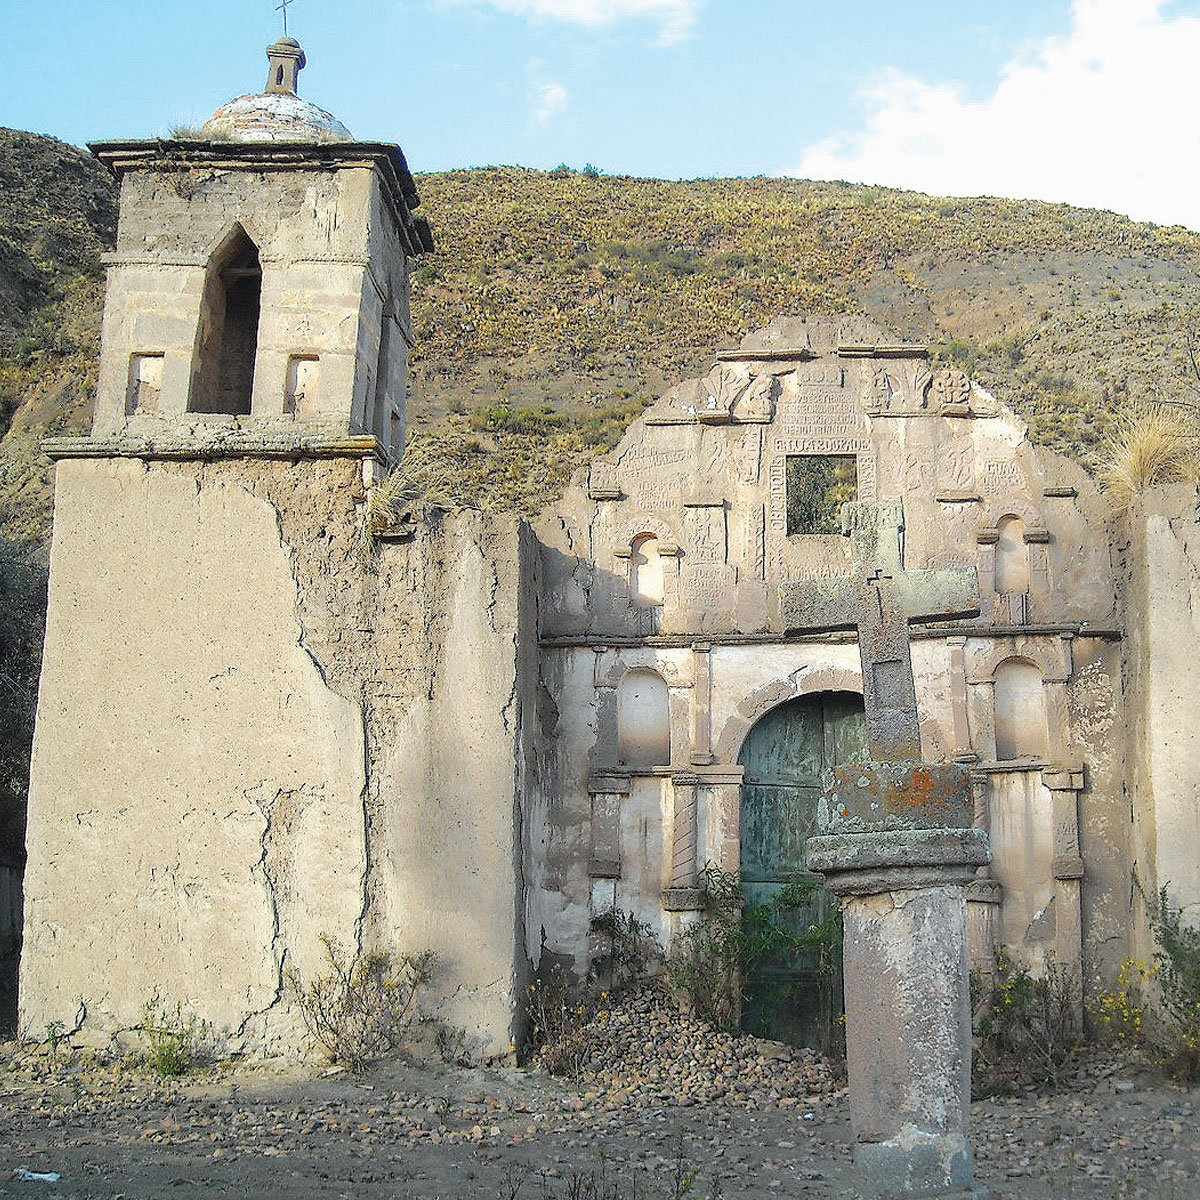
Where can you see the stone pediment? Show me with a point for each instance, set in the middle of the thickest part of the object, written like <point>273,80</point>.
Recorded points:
<point>732,482</point>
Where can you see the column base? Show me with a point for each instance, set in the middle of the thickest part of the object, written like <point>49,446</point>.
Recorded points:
<point>916,1167</point>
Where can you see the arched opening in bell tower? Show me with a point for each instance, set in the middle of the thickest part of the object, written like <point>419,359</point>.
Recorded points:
<point>223,374</point>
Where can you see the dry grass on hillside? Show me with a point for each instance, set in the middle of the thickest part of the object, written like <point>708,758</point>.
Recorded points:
<point>1151,444</point>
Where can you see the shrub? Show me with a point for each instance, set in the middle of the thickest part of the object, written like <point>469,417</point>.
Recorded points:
<point>710,961</point>
<point>178,1042</point>
<point>361,1009</point>
<point>1151,444</point>
<point>1178,961</point>
<point>630,951</point>
<point>1026,1029</point>
<point>1118,1013</point>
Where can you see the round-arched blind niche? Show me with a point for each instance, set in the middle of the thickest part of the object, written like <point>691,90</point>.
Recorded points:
<point>1021,728</point>
<point>645,572</point>
<point>1012,556</point>
<point>643,719</point>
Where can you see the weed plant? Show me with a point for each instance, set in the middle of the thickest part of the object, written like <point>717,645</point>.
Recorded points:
<point>628,953</point>
<point>1151,444</point>
<point>177,1041</point>
<point>711,960</point>
<point>1026,1027</point>
<point>361,1009</point>
<point>1118,1013</point>
<point>559,1013</point>
<point>1178,973</point>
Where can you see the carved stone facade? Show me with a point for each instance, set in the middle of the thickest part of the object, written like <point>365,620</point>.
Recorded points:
<point>707,479</point>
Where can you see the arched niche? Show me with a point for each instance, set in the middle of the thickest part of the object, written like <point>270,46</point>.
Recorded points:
<point>646,584</point>
<point>763,699</point>
<point>1012,556</point>
<point>227,337</point>
<point>1022,730</point>
<point>643,719</point>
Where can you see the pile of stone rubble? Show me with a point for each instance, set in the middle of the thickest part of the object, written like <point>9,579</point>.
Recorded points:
<point>643,1052</point>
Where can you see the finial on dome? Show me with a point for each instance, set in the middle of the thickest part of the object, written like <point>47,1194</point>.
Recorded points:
<point>287,60</point>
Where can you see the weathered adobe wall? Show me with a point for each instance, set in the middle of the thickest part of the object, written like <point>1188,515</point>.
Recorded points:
<point>239,749</point>
<point>452,738</point>
<point>1162,613</point>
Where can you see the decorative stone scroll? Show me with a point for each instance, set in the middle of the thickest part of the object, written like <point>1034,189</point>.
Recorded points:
<point>900,389</point>
<point>728,393</point>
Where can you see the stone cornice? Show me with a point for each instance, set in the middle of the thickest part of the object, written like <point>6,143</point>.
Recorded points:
<point>163,154</point>
<point>229,445</point>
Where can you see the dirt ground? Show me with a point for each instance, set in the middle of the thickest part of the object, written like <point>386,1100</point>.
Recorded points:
<point>453,1133</point>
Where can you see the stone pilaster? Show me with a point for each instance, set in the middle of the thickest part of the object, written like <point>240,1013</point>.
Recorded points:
<point>1064,785</point>
<point>680,883</point>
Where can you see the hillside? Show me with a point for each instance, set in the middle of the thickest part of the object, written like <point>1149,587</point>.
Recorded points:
<point>575,291</point>
<point>558,303</point>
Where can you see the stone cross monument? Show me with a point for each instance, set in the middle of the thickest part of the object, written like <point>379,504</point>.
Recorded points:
<point>880,600</point>
<point>897,845</point>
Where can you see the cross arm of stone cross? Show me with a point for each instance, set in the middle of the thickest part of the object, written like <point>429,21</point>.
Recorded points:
<point>879,600</point>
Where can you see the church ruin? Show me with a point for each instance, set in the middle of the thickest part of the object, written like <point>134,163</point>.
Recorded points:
<point>259,726</point>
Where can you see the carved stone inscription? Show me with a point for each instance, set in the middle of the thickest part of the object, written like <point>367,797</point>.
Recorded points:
<point>819,412</point>
<point>653,478</point>
<point>707,586</point>
<point>999,476</point>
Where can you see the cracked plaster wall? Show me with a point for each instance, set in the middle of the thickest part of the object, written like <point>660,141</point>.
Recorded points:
<point>1163,617</point>
<point>195,812</point>
<point>253,732</point>
<point>456,656</point>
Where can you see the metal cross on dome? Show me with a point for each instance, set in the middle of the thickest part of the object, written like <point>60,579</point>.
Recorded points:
<point>283,9</point>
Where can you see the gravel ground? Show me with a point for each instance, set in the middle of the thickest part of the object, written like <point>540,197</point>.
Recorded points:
<point>664,1109</point>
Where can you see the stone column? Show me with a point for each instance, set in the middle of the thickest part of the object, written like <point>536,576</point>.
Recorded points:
<point>898,846</point>
<point>1064,784</point>
<point>701,752</point>
<point>681,892</point>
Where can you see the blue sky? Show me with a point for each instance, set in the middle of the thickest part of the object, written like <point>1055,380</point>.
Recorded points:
<point>1085,101</point>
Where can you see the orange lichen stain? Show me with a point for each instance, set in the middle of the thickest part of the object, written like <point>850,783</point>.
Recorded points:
<point>923,789</point>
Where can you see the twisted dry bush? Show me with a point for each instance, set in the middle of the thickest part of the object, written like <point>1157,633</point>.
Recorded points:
<point>362,1008</point>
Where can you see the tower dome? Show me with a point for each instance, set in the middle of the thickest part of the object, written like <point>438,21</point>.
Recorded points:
<point>276,114</point>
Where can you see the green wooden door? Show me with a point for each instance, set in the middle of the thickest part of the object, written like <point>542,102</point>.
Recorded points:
<point>785,755</point>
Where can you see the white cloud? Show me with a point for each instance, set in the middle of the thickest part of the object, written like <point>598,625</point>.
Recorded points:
<point>1100,117</point>
<point>549,99</point>
<point>674,17</point>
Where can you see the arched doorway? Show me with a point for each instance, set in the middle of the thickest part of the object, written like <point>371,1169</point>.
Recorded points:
<point>784,756</point>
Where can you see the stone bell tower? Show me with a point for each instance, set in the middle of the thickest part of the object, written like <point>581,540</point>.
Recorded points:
<point>198,813</point>
<point>258,294</point>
